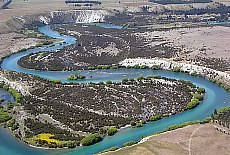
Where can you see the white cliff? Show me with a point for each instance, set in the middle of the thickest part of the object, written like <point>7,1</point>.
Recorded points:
<point>74,16</point>
<point>19,86</point>
<point>92,16</point>
<point>166,64</point>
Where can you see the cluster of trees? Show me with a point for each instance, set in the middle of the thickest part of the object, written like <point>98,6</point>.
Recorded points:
<point>114,148</point>
<point>137,66</point>
<point>176,126</point>
<point>112,130</point>
<point>222,116</point>
<point>75,77</point>
<point>91,139</point>
<point>176,69</point>
<point>139,124</point>
<point>130,143</point>
<point>16,94</point>
<point>196,100</point>
<point>4,116</point>
<point>104,67</point>
<point>155,117</point>
<point>12,124</point>
<point>193,103</point>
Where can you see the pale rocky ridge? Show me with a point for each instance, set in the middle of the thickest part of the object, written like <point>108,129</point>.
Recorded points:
<point>167,64</point>
<point>55,17</point>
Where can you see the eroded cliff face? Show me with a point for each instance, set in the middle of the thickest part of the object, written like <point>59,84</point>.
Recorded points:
<point>70,16</point>
<point>167,64</point>
<point>80,16</point>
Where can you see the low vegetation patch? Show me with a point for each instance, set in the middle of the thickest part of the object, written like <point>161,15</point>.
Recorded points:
<point>47,139</point>
<point>114,148</point>
<point>155,118</point>
<point>4,116</point>
<point>176,126</point>
<point>111,131</point>
<point>76,77</point>
<point>130,143</point>
<point>222,116</point>
<point>91,139</point>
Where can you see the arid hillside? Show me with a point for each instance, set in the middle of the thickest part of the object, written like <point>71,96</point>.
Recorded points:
<point>194,139</point>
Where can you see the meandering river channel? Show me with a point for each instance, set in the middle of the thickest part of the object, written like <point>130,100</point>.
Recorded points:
<point>215,98</point>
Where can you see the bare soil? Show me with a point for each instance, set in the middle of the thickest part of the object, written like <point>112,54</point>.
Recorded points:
<point>191,140</point>
<point>202,41</point>
<point>12,42</point>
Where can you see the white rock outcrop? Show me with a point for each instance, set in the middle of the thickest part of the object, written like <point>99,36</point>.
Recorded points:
<point>77,16</point>
<point>166,64</point>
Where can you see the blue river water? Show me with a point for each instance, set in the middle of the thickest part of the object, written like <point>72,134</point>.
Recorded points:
<point>215,98</point>
<point>220,23</point>
<point>6,96</point>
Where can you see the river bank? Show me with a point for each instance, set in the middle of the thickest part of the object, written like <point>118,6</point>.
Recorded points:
<point>193,139</point>
<point>167,64</point>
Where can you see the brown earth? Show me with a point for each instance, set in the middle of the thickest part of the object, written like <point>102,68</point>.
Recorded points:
<point>12,42</point>
<point>25,7</point>
<point>191,140</point>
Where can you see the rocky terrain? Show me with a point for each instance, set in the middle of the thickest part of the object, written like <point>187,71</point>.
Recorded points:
<point>98,46</point>
<point>86,108</point>
<point>221,78</point>
<point>162,38</point>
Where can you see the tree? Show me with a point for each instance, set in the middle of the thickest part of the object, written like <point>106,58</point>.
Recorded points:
<point>91,139</point>
<point>101,83</point>
<point>71,145</point>
<point>132,123</point>
<point>130,143</point>
<point>215,112</point>
<point>193,103</point>
<point>198,96</point>
<point>155,67</point>
<point>136,66</point>
<point>72,77</point>
<point>143,67</point>
<point>124,80</point>
<point>176,69</point>
<point>201,90</point>
<point>111,131</point>
<point>155,117</point>
<point>140,77</point>
<point>139,125</point>
<point>108,82</point>
<point>131,79</point>
<point>194,73</point>
<point>149,77</point>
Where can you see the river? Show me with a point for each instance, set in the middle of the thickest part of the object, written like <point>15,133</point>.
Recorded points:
<point>215,98</point>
